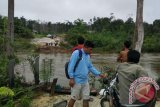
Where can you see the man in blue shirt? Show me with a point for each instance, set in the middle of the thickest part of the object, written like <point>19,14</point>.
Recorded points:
<point>79,79</point>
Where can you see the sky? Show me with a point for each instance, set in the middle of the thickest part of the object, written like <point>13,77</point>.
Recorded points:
<point>70,10</point>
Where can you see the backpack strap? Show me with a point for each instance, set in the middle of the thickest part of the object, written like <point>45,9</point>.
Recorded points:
<point>80,57</point>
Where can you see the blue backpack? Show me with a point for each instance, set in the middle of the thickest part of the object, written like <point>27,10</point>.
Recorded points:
<point>67,63</point>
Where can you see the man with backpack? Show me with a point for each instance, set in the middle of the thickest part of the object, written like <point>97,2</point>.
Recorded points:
<point>79,78</point>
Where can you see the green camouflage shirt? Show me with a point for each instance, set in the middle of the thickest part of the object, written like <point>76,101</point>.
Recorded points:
<point>127,73</point>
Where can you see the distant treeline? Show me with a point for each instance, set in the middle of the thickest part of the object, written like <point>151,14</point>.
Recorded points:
<point>108,33</point>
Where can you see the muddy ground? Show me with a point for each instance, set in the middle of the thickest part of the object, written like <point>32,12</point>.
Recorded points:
<point>46,100</point>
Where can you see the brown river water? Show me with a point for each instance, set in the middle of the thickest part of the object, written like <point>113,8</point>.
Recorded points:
<point>151,63</point>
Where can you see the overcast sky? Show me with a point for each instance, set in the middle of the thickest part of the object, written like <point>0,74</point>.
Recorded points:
<point>70,10</point>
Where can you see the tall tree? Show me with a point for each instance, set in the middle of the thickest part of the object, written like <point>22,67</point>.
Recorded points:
<point>10,33</point>
<point>139,30</point>
<point>10,40</point>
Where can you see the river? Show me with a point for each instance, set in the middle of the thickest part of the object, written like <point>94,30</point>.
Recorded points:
<point>150,62</point>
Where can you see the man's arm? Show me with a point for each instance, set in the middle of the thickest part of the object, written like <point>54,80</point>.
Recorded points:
<point>95,71</point>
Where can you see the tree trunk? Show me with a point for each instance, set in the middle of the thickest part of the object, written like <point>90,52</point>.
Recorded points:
<point>10,33</point>
<point>139,30</point>
<point>36,68</point>
<point>9,42</point>
<point>10,69</point>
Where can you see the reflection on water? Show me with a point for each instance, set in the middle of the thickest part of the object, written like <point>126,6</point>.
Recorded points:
<point>151,63</point>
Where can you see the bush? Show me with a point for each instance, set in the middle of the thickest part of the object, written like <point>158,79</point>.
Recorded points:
<point>5,91</point>
<point>3,69</point>
<point>25,102</point>
<point>23,33</point>
<point>23,44</point>
<point>6,97</point>
<point>151,44</point>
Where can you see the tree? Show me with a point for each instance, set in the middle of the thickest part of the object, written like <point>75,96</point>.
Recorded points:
<point>80,27</point>
<point>3,25</point>
<point>10,33</point>
<point>156,26</point>
<point>9,43</point>
<point>148,29</point>
<point>117,25</point>
<point>139,30</point>
<point>129,26</point>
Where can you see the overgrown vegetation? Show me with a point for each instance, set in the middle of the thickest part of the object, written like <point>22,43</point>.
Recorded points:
<point>6,93</point>
<point>24,45</point>
<point>34,64</point>
<point>26,99</point>
<point>9,96</point>
<point>47,70</point>
<point>108,33</point>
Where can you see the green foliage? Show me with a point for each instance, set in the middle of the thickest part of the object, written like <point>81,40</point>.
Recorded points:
<point>106,32</point>
<point>25,101</point>
<point>5,91</point>
<point>39,35</point>
<point>151,44</point>
<point>106,70</point>
<point>156,26</point>
<point>105,41</point>
<point>79,28</point>
<point>3,65</point>
<point>3,25</point>
<point>2,43</point>
<point>72,39</point>
<point>24,33</point>
<point>108,36</point>
<point>24,96</point>
<point>18,79</point>
<point>31,59</point>
<point>21,29</point>
<point>24,45</point>
<point>129,26</point>
<point>47,70</point>
<point>101,24</point>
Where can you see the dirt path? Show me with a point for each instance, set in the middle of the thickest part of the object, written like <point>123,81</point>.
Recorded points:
<point>47,101</point>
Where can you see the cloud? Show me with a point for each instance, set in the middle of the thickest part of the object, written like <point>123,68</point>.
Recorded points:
<point>62,10</point>
<point>4,7</point>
